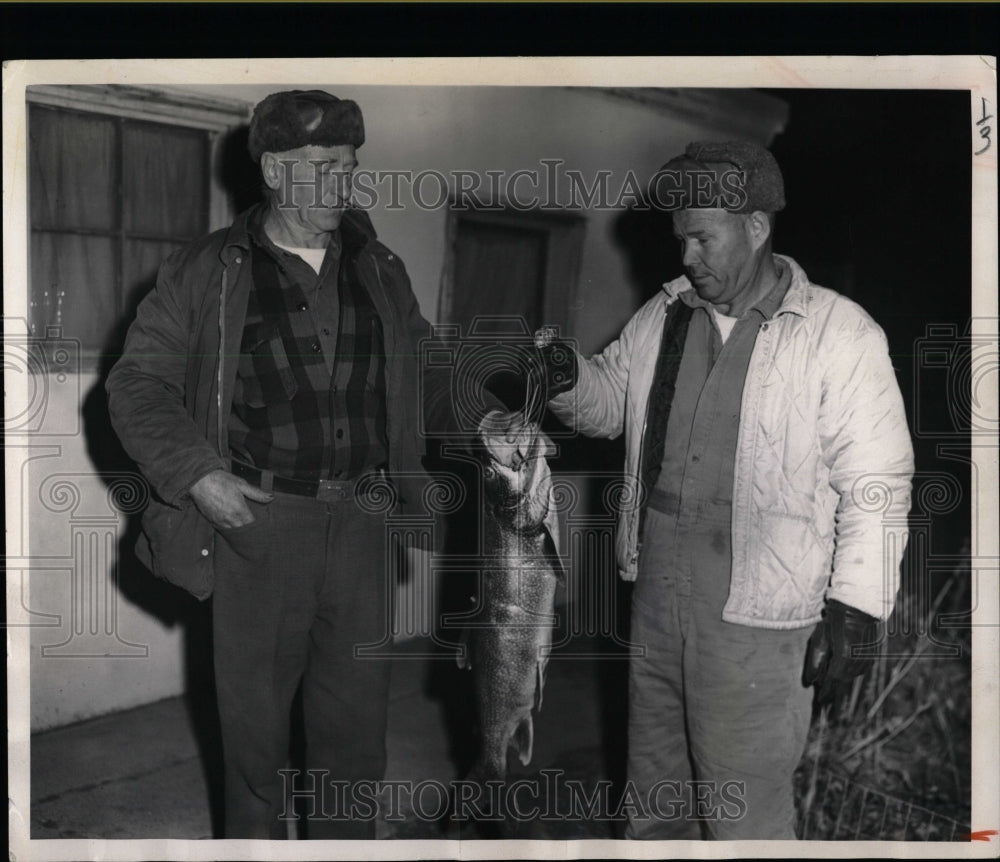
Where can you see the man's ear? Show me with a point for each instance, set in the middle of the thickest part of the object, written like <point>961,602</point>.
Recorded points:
<point>758,228</point>
<point>270,170</point>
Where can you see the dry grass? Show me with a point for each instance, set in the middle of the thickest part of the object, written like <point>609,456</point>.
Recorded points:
<point>891,758</point>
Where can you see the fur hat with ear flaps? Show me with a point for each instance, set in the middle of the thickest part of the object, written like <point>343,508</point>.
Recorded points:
<point>297,118</point>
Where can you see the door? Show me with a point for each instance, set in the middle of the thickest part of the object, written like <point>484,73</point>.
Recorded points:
<point>509,273</point>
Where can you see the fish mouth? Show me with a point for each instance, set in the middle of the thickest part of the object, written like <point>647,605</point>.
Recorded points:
<point>530,480</point>
<point>526,488</point>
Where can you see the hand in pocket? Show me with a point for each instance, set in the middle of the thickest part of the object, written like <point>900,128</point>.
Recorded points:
<point>222,498</point>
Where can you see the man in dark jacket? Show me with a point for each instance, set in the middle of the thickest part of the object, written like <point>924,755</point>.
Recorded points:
<point>269,379</point>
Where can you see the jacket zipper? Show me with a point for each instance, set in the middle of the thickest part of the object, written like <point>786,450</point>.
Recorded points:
<point>638,487</point>
<point>220,371</point>
<point>388,305</point>
<point>634,558</point>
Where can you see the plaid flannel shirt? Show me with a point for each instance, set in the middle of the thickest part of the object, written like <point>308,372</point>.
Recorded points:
<point>294,413</point>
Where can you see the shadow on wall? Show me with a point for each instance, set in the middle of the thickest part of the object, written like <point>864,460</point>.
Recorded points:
<point>168,604</point>
<point>644,236</point>
<point>236,172</point>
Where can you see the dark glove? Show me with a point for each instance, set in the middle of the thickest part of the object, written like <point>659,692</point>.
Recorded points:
<point>829,658</point>
<point>559,361</point>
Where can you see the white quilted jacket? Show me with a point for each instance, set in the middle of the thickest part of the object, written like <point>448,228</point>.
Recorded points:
<point>824,461</point>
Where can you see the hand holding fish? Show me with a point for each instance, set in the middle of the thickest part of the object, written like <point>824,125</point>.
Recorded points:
<point>507,437</point>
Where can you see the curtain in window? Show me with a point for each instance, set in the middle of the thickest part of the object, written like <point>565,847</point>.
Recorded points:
<point>110,198</point>
<point>164,178</point>
<point>73,171</point>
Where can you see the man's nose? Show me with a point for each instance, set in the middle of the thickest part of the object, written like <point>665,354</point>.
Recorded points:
<point>688,256</point>
<point>341,187</point>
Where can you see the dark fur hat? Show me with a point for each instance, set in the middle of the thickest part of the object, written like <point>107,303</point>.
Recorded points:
<point>744,177</point>
<point>296,118</point>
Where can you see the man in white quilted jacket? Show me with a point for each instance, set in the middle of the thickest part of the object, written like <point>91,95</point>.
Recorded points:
<point>769,468</point>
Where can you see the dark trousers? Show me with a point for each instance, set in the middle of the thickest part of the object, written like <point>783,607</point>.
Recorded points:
<point>718,715</point>
<point>296,592</point>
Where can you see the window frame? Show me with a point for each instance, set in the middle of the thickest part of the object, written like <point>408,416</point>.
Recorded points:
<point>182,110</point>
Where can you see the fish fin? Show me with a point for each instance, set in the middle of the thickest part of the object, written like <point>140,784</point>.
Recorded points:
<point>551,527</point>
<point>540,682</point>
<point>552,552</point>
<point>551,521</point>
<point>523,739</point>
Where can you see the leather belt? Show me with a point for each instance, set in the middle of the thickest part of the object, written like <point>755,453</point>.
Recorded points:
<point>321,489</point>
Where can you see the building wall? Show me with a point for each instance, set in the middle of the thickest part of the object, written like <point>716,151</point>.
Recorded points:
<point>97,646</point>
<point>110,647</point>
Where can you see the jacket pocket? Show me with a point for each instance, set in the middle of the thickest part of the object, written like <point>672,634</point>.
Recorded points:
<point>265,371</point>
<point>180,544</point>
<point>794,567</point>
<point>251,541</point>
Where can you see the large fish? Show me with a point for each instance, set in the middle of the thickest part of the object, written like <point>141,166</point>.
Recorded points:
<point>509,640</point>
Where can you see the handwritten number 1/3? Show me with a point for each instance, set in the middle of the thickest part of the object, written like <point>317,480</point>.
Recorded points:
<point>984,130</point>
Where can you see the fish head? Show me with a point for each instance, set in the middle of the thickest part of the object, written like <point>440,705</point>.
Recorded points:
<point>520,496</point>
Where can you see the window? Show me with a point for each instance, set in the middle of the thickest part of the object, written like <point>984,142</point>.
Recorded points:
<point>114,188</point>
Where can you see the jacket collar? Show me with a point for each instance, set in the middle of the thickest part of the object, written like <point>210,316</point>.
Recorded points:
<point>356,231</point>
<point>797,299</point>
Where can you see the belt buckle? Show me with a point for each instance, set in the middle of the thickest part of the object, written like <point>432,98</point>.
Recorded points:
<point>332,489</point>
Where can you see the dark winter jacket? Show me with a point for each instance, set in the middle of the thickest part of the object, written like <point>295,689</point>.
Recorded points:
<point>171,392</point>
